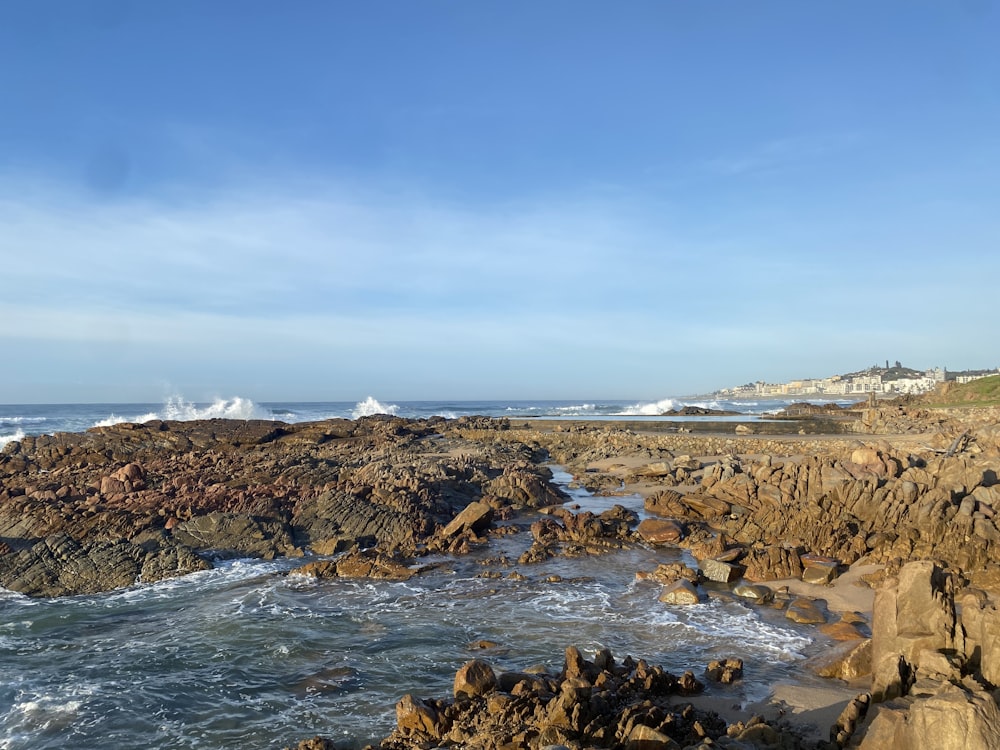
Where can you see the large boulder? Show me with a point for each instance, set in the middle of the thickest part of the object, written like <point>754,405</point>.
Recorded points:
<point>954,717</point>
<point>913,616</point>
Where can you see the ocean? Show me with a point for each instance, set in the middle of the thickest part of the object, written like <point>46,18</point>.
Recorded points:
<point>18,420</point>
<point>248,656</point>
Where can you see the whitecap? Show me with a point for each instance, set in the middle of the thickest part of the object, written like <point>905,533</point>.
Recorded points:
<point>5,439</point>
<point>177,409</point>
<point>654,409</point>
<point>370,407</point>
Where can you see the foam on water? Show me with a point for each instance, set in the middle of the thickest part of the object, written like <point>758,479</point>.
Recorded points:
<point>5,439</point>
<point>654,409</point>
<point>177,409</point>
<point>21,420</point>
<point>370,407</point>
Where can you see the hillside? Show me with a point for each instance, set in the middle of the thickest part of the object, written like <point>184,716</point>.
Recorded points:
<point>982,392</point>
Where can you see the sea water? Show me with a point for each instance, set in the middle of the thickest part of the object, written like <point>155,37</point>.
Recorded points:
<point>249,655</point>
<point>19,420</point>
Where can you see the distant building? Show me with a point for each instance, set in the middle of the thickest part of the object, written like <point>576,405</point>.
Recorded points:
<point>871,381</point>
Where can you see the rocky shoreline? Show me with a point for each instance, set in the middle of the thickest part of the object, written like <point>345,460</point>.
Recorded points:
<point>762,510</point>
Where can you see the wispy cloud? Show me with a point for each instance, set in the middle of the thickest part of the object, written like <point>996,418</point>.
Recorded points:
<point>781,154</point>
<point>335,283</point>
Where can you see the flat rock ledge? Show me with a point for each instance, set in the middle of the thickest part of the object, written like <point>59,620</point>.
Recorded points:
<point>83,513</point>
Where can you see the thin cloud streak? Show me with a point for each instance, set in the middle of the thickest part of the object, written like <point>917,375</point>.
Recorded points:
<point>507,300</point>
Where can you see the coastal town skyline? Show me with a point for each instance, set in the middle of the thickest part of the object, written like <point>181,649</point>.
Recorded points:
<point>895,380</point>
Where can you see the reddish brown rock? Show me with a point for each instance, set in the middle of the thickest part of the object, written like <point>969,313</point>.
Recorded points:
<point>660,531</point>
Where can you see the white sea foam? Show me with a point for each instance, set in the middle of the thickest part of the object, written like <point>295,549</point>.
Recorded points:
<point>33,714</point>
<point>21,420</point>
<point>369,407</point>
<point>176,408</point>
<point>650,410</point>
<point>577,410</point>
<point>5,439</point>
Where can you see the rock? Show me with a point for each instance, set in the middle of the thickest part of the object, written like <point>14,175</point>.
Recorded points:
<point>725,671</point>
<point>476,517</point>
<point>60,566</point>
<point>981,624</point>
<point>646,738</point>
<point>666,503</point>
<point>667,573</point>
<point>687,463</point>
<point>358,564</point>
<point>171,561</point>
<point>952,718</point>
<point>660,531</point>
<point>316,743</point>
<point>704,506</point>
<point>819,569</point>
<point>805,612</point>
<point>913,613</point>
<point>754,592</point>
<point>721,572</point>
<point>656,469</point>
<point>842,630</point>
<point>680,592</point>
<point>474,678</point>
<point>854,712</point>
<point>844,661</point>
<point>235,534</point>
<point>416,717</point>
<point>772,563</point>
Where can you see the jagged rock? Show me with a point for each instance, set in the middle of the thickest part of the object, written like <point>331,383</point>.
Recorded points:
<point>854,712</point>
<point>725,671</point>
<point>981,625</point>
<point>475,678</point>
<point>771,563</point>
<point>646,738</point>
<point>476,517</point>
<point>416,717</point>
<point>666,503</point>
<point>719,571</point>
<point>912,614</point>
<point>590,704</point>
<point>954,717</point>
<point>667,573</point>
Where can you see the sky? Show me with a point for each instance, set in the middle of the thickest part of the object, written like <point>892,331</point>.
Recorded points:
<point>443,199</point>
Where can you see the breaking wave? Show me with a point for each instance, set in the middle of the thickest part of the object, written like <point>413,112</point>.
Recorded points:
<point>650,410</point>
<point>370,407</point>
<point>177,409</point>
<point>5,439</point>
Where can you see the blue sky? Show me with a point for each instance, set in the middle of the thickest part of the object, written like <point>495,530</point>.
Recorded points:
<point>423,200</point>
